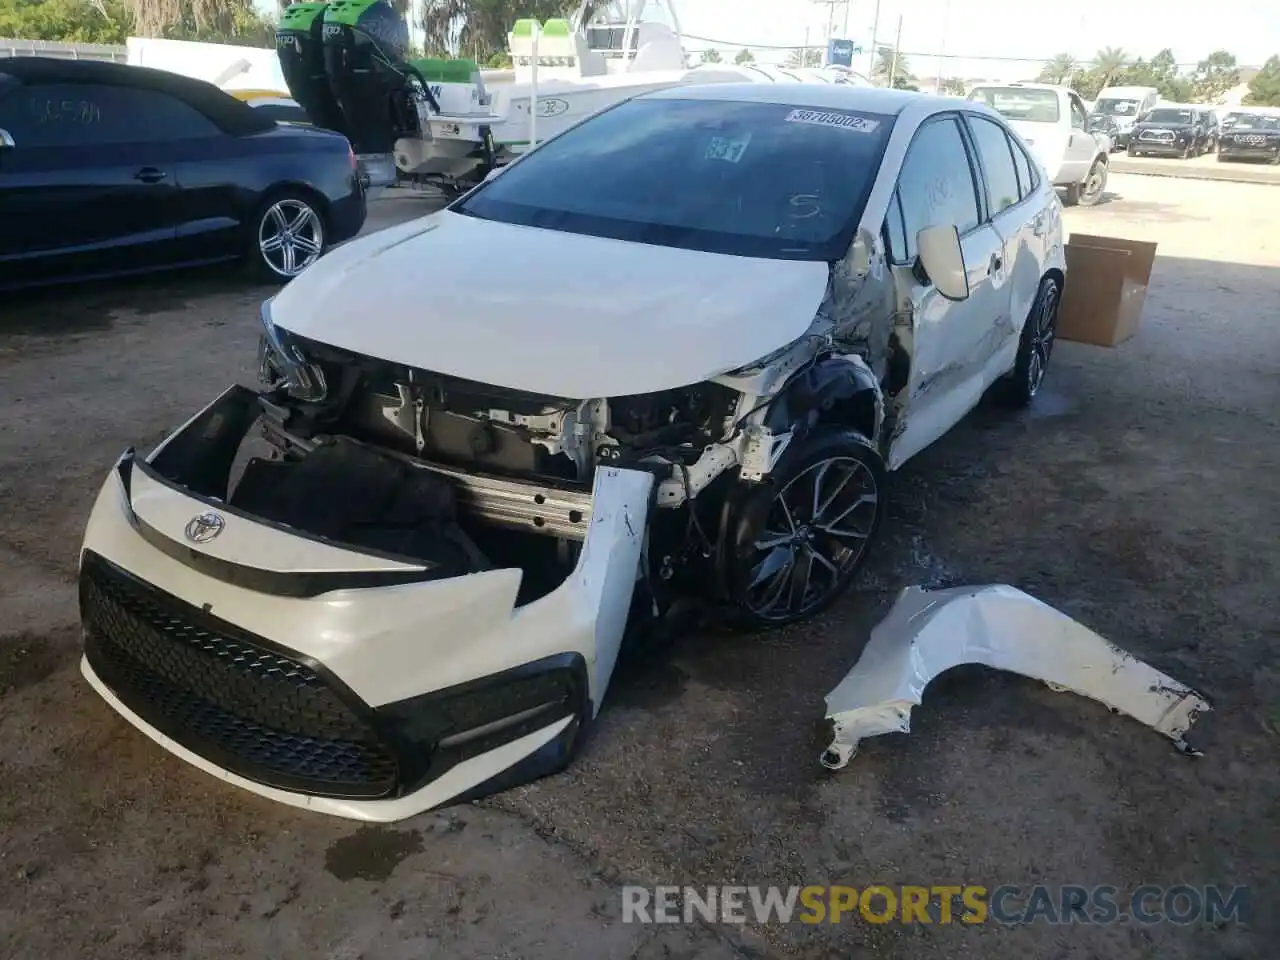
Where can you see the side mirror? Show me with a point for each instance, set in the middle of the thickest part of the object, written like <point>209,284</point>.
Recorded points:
<point>6,140</point>
<point>943,261</point>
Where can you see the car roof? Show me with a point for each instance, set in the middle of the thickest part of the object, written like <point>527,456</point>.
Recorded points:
<point>229,114</point>
<point>1019,85</point>
<point>1127,91</point>
<point>822,96</point>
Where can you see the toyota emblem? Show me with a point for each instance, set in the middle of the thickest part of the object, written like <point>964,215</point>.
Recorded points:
<point>205,527</point>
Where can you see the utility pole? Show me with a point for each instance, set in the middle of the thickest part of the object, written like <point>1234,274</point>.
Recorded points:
<point>946,22</point>
<point>875,26</point>
<point>897,46</point>
<point>831,21</point>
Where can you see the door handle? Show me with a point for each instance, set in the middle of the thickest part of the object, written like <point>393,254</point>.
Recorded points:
<point>996,262</point>
<point>150,175</point>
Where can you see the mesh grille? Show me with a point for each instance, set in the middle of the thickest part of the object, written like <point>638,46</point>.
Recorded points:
<point>209,686</point>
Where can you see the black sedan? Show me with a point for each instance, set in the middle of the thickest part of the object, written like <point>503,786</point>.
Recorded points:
<point>1170,131</point>
<point>1247,135</point>
<point>111,169</point>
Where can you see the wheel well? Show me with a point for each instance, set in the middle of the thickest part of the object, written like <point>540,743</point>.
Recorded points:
<point>857,412</point>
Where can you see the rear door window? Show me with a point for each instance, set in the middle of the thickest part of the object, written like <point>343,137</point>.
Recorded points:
<point>997,163</point>
<point>77,115</point>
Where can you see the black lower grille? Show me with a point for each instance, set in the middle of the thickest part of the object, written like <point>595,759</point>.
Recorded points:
<point>234,698</point>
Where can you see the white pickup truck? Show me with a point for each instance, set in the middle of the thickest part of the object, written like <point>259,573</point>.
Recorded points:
<point>1052,122</point>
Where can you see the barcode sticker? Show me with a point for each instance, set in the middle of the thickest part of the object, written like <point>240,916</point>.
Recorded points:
<point>826,118</point>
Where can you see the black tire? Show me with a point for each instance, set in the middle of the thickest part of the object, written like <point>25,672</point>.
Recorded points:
<point>1090,192</point>
<point>1035,346</point>
<point>1186,152</point>
<point>1071,195</point>
<point>769,540</point>
<point>297,214</point>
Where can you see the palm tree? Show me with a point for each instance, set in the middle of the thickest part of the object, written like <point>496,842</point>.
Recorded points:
<point>1108,62</point>
<point>1060,69</point>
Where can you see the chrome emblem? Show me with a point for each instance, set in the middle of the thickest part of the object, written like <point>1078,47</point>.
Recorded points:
<point>205,527</point>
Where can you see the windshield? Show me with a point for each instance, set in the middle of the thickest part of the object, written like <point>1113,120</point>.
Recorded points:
<point>1250,121</point>
<point>749,179</point>
<point>1170,116</point>
<point>1117,108</point>
<point>1020,103</point>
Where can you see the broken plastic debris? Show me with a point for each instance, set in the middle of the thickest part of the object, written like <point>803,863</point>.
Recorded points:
<point>927,632</point>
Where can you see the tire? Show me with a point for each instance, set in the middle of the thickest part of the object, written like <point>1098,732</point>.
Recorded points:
<point>779,566</point>
<point>1186,152</point>
<point>1035,346</point>
<point>1090,193</point>
<point>296,216</point>
<point>1071,195</point>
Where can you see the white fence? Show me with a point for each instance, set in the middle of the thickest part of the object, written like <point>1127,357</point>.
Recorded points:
<point>63,51</point>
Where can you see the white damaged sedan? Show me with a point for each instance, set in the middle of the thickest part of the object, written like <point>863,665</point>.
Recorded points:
<point>673,352</point>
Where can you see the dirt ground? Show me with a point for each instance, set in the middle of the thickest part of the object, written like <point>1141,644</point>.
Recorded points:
<point>1139,495</point>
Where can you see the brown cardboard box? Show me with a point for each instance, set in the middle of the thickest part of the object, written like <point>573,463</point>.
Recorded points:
<point>1106,287</point>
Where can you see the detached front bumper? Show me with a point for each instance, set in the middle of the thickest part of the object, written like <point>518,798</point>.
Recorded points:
<point>339,680</point>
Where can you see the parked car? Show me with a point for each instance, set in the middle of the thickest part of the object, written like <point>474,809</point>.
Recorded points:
<point>1213,130</point>
<point>1117,109</point>
<point>1053,122</point>
<point>586,390</point>
<point>110,169</point>
<point>1251,133</point>
<point>1170,130</point>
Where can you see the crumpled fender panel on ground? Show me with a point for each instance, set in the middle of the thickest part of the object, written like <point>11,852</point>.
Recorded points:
<point>927,632</point>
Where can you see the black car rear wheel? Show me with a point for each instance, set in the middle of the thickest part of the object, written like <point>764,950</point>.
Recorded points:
<point>288,236</point>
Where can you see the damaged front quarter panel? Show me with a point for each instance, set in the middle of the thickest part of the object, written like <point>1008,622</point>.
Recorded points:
<point>928,632</point>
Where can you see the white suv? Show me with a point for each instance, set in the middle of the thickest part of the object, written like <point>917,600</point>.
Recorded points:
<point>1053,121</point>
<point>672,353</point>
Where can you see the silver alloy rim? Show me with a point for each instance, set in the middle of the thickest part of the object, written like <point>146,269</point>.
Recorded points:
<point>1042,334</point>
<point>817,530</point>
<point>291,237</point>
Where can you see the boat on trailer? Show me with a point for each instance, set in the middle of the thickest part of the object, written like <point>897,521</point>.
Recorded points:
<point>446,121</point>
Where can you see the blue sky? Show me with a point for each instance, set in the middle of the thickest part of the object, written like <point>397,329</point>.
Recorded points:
<point>995,28</point>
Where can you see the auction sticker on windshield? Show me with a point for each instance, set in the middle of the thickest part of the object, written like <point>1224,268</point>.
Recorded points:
<point>826,118</point>
<point>727,148</point>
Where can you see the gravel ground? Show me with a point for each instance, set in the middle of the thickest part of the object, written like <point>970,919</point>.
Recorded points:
<point>1138,495</point>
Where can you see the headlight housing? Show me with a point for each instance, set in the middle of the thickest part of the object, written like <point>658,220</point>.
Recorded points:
<point>281,363</point>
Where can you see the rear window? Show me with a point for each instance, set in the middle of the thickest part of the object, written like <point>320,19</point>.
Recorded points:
<point>1020,103</point>
<point>1171,116</point>
<point>749,179</point>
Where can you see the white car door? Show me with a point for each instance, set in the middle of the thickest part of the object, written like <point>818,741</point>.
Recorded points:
<point>1081,146</point>
<point>940,184</point>
<point>1019,220</point>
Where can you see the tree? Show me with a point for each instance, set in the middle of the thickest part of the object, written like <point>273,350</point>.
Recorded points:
<point>213,20</point>
<point>953,86</point>
<point>1060,69</point>
<point>804,57</point>
<point>480,27</point>
<point>711,55</point>
<point>1107,63</point>
<point>1215,75</point>
<point>1264,88</point>
<point>884,69</point>
<point>65,21</point>
<point>744,56</point>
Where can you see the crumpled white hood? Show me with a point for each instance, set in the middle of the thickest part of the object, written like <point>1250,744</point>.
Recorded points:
<point>549,312</point>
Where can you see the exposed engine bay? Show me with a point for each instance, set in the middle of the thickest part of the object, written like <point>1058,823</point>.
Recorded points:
<point>471,475</point>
